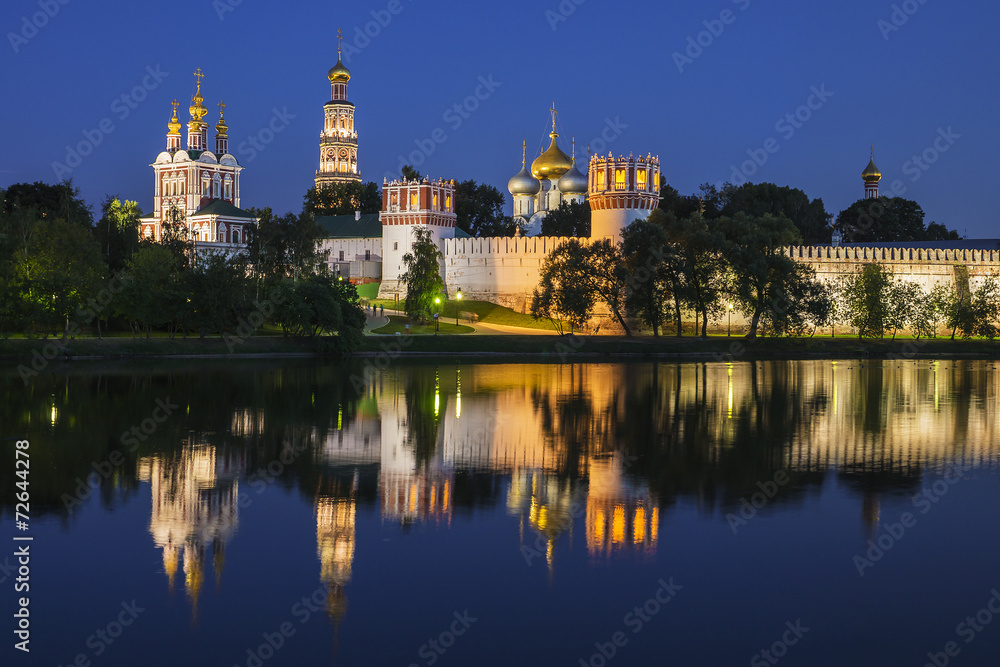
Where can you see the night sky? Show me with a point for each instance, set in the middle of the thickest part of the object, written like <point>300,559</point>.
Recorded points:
<point>610,68</point>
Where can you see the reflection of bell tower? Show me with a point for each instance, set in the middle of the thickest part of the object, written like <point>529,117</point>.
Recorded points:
<point>621,516</point>
<point>335,524</point>
<point>194,507</point>
<point>548,503</point>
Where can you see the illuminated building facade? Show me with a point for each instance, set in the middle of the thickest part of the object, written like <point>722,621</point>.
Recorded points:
<point>198,189</point>
<point>338,145</point>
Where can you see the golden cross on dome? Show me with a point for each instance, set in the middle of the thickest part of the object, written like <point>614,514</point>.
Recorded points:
<point>554,112</point>
<point>340,39</point>
<point>873,151</point>
<point>198,75</point>
<point>524,152</point>
<point>175,106</point>
<point>222,108</point>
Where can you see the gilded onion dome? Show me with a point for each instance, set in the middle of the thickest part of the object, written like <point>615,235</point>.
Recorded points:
<point>221,128</point>
<point>871,174</point>
<point>553,163</point>
<point>174,125</point>
<point>338,73</point>
<point>573,182</point>
<point>197,108</point>
<point>523,183</point>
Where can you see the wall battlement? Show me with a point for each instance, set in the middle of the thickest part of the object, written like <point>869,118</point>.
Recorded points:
<point>889,255</point>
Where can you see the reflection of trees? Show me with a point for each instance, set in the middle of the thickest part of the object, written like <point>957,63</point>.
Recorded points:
<point>423,411</point>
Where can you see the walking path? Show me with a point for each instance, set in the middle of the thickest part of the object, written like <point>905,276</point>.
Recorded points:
<point>481,328</point>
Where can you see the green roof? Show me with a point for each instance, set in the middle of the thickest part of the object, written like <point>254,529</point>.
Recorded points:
<point>223,208</point>
<point>347,227</point>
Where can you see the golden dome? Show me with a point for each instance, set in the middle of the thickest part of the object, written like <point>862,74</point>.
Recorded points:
<point>871,172</point>
<point>221,128</point>
<point>197,108</point>
<point>174,125</point>
<point>338,73</point>
<point>553,163</point>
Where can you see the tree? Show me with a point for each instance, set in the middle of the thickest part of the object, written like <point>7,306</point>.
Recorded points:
<point>410,173</point>
<point>865,299</point>
<point>571,219</point>
<point>151,295</point>
<point>760,271</point>
<point>905,297</point>
<point>671,201</point>
<point>759,199</point>
<point>607,277</point>
<point>218,293</point>
<point>972,312</point>
<point>647,254</point>
<point>423,274</point>
<point>563,293</point>
<point>888,219</point>
<point>176,237</point>
<point>285,246</point>
<point>118,231</point>
<point>480,210</point>
<point>49,202</point>
<point>343,199</point>
<point>701,248</point>
<point>60,272</point>
<point>317,304</point>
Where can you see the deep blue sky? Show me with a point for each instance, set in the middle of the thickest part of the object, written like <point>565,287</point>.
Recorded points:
<point>935,72</point>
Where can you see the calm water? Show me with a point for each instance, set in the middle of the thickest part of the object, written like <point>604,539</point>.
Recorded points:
<point>671,514</point>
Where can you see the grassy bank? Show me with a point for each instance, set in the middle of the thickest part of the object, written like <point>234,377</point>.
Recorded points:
<point>397,325</point>
<point>489,313</point>
<point>548,348</point>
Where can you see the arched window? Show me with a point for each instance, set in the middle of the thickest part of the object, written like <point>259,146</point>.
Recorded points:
<point>229,188</point>
<point>600,179</point>
<point>216,186</point>
<point>620,182</point>
<point>236,235</point>
<point>641,179</point>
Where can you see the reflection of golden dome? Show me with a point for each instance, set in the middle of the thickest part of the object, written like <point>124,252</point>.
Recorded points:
<point>174,125</point>
<point>553,163</point>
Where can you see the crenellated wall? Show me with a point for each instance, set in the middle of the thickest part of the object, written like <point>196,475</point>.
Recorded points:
<point>502,270</point>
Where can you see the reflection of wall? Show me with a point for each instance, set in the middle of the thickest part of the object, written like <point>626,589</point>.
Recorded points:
<point>195,508</point>
<point>335,530</point>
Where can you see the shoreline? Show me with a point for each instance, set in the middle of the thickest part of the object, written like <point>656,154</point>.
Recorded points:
<point>489,349</point>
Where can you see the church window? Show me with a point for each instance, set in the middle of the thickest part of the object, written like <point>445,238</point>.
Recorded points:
<point>620,179</point>
<point>236,234</point>
<point>341,255</point>
<point>368,255</point>
<point>222,236</point>
<point>229,189</point>
<point>395,245</point>
<point>215,187</point>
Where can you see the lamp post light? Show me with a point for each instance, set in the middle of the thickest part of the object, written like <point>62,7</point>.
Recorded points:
<point>730,333</point>
<point>437,321</point>
<point>458,300</point>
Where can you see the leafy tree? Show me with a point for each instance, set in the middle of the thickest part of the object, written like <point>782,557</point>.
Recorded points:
<point>219,294</point>
<point>607,277</point>
<point>701,248</point>
<point>647,256</point>
<point>280,247</point>
<point>152,294</point>
<point>562,293</point>
<point>423,274</point>
<point>760,272</point>
<point>888,219</point>
<point>906,299</point>
<point>118,231</point>
<point>343,199</point>
<point>176,237</point>
<point>410,173</point>
<point>865,299</point>
<point>972,312</point>
<point>480,210</point>
<point>318,304</point>
<point>760,199</point>
<point>60,272</point>
<point>671,201</point>
<point>49,201</point>
<point>571,219</point>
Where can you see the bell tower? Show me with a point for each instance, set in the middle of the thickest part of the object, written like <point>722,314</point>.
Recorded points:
<point>338,144</point>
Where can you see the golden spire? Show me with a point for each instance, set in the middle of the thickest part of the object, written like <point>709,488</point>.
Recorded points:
<point>574,150</point>
<point>554,112</point>
<point>553,163</point>
<point>197,109</point>
<point>221,128</point>
<point>524,153</point>
<point>174,124</point>
<point>340,42</point>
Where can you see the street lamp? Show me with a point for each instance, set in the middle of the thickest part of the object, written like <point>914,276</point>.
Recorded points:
<point>730,320</point>
<point>437,322</point>
<point>458,299</point>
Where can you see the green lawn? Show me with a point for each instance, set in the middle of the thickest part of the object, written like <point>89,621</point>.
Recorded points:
<point>489,313</point>
<point>398,325</point>
<point>368,291</point>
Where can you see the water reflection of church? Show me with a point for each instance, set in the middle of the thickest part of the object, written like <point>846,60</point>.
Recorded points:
<point>608,448</point>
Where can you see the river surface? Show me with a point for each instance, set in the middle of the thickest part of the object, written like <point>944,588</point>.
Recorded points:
<point>261,513</point>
